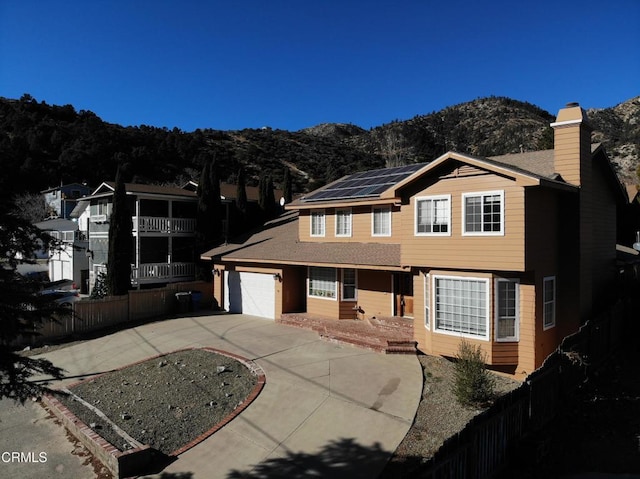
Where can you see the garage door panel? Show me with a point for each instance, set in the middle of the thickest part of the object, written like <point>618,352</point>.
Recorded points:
<point>250,293</point>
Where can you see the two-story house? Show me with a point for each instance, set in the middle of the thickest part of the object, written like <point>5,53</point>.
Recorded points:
<point>510,252</point>
<point>164,228</point>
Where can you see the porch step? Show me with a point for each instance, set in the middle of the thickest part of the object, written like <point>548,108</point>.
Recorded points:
<point>401,347</point>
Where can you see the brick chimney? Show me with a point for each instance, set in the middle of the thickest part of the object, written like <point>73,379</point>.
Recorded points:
<point>572,160</point>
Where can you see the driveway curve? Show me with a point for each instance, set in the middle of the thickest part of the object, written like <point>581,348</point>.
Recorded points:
<point>327,410</point>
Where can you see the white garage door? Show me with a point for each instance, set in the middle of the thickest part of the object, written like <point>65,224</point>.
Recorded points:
<point>250,293</point>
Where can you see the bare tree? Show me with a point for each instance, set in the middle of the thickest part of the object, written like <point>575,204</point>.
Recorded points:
<point>32,207</point>
<point>393,147</point>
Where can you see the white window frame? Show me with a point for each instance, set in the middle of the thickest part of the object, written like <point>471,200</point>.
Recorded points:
<point>427,301</point>
<point>334,280</point>
<point>487,300</point>
<point>431,199</point>
<point>349,218</point>
<point>387,213</point>
<point>322,217</point>
<point>546,324</point>
<point>355,285</point>
<point>482,195</point>
<point>516,318</point>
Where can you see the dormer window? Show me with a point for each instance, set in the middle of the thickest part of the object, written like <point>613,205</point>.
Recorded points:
<point>317,223</point>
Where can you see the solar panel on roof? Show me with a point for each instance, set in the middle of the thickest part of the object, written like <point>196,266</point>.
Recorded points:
<point>364,183</point>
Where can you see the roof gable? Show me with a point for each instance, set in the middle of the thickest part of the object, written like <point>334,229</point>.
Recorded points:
<point>108,187</point>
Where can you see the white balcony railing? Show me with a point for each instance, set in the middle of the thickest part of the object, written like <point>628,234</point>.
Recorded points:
<point>162,272</point>
<point>156,224</point>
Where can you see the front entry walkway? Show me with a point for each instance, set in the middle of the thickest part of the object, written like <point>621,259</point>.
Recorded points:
<point>327,409</point>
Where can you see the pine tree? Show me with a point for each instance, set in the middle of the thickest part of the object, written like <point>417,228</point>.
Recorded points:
<point>262,193</point>
<point>287,192</point>
<point>22,308</point>
<point>120,240</point>
<point>209,215</point>
<point>241,192</point>
<point>270,199</point>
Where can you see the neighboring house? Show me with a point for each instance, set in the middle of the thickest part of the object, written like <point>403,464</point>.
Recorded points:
<point>69,259</point>
<point>62,200</point>
<point>511,253</point>
<point>164,228</point>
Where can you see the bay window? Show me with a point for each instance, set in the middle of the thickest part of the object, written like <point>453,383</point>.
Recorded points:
<point>461,306</point>
<point>507,309</point>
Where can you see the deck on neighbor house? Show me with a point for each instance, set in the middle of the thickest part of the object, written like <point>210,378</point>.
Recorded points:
<point>389,335</point>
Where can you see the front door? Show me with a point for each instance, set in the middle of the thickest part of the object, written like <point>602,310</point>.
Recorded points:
<point>403,289</point>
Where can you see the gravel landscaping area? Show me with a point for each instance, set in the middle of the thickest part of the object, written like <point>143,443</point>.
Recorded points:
<point>165,402</point>
<point>439,416</point>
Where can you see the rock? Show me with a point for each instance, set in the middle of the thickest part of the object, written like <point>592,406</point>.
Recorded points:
<point>228,395</point>
<point>221,369</point>
<point>125,416</point>
<point>162,363</point>
<point>28,348</point>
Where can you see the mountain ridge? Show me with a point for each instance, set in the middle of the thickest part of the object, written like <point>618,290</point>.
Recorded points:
<point>43,144</point>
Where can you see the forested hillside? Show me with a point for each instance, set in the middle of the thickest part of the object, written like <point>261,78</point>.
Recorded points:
<point>44,145</point>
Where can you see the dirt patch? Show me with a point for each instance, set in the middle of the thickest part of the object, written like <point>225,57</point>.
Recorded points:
<point>166,402</point>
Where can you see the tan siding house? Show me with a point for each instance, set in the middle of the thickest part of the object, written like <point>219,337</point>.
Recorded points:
<point>506,252</point>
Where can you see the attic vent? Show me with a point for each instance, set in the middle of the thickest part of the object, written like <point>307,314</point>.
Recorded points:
<point>573,104</point>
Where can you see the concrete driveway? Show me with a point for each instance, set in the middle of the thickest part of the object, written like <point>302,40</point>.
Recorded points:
<point>327,410</point>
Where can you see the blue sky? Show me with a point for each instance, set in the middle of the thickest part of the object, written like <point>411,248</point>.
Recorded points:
<point>293,64</point>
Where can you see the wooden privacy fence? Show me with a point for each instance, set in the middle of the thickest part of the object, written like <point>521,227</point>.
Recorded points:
<point>518,419</point>
<point>95,314</point>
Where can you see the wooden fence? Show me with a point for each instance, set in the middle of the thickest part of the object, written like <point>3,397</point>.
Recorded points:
<point>95,314</point>
<point>483,447</point>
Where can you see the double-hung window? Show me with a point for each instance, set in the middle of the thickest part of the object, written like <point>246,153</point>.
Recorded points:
<point>349,284</point>
<point>483,213</point>
<point>433,215</point>
<point>507,308</point>
<point>322,282</point>
<point>549,300</point>
<point>381,221</point>
<point>461,306</point>
<point>343,222</point>
<point>317,223</point>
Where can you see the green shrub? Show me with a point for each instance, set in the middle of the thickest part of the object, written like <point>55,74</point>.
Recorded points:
<point>473,384</point>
